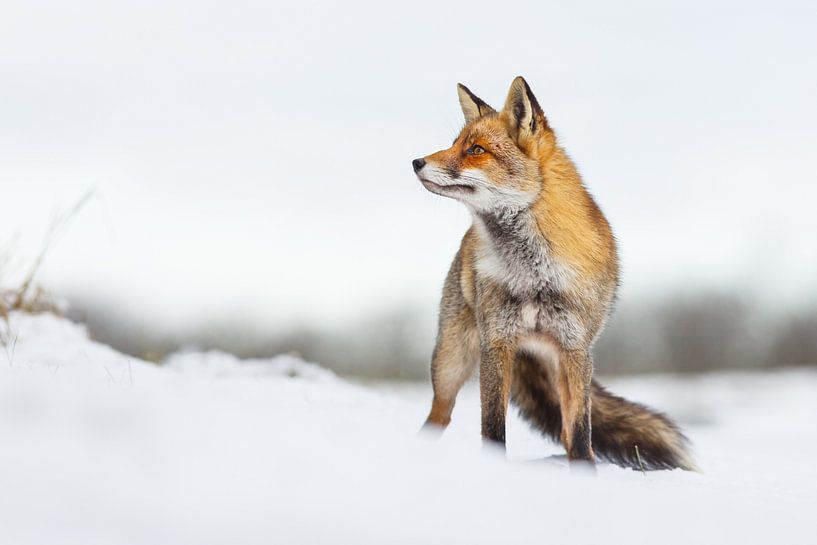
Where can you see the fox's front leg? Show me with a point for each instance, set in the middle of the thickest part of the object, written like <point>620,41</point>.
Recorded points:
<point>494,388</point>
<point>453,362</point>
<point>575,376</point>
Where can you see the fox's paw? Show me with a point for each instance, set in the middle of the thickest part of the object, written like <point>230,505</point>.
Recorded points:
<point>583,467</point>
<point>431,428</point>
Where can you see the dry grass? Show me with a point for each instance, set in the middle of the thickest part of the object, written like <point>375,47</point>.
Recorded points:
<point>27,296</point>
<point>22,296</point>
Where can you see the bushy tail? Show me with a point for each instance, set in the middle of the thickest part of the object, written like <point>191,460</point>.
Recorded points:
<point>618,425</point>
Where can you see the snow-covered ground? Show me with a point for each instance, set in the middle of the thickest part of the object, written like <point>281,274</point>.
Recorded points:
<point>98,447</point>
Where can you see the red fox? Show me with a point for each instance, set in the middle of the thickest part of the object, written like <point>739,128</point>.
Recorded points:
<point>530,289</point>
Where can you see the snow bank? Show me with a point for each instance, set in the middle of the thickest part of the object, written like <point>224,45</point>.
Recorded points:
<point>98,447</point>
<point>217,364</point>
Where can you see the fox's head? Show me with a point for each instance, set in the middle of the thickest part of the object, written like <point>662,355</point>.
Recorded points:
<point>495,161</point>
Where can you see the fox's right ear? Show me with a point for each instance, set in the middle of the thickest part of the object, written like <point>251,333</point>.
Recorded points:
<point>472,106</point>
<point>522,110</point>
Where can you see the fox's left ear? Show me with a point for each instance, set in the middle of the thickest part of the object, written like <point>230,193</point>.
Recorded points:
<point>522,111</point>
<point>472,106</point>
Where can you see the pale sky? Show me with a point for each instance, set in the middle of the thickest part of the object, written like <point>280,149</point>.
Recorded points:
<point>253,158</point>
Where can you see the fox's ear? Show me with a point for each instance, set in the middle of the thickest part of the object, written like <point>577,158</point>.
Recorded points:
<point>522,111</point>
<point>472,106</point>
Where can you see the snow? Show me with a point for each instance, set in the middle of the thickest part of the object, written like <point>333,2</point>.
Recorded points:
<point>99,447</point>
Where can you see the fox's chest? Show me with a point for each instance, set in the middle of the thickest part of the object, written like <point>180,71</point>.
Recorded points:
<point>525,271</point>
<point>534,300</point>
<point>512,253</point>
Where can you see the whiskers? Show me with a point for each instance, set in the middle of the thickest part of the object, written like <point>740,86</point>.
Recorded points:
<point>474,179</point>
<point>445,177</point>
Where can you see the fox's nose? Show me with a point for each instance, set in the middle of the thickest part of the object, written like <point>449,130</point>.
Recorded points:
<point>418,164</point>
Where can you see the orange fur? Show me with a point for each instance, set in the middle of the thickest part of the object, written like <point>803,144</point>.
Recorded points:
<point>572,222</point>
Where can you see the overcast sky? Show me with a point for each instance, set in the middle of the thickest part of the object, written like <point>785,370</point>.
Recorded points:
<point>253,158</point>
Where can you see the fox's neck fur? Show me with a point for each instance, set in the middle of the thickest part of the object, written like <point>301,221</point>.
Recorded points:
<point>561,241</point>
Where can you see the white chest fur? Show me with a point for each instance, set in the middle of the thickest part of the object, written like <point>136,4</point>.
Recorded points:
<point>517,257</point>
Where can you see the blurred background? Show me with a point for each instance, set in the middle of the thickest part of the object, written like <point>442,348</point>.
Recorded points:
<point>252,188</point>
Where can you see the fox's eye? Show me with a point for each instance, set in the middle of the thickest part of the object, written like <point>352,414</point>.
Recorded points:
<point>475,150</point>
